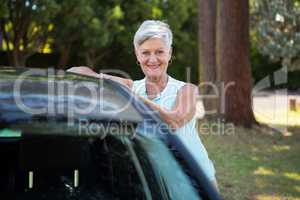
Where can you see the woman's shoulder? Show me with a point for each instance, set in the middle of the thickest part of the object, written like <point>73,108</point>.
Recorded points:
<point>138,85</point>
<point>139,81</point>
<point>181,85</point>
<point>176,83</point>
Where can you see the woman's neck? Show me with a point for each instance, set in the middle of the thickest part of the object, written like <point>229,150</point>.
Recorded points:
<point>156,86</point>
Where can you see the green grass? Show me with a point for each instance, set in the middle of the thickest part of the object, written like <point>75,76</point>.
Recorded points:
<point>254,164</point>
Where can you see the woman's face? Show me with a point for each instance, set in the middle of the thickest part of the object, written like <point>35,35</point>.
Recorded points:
<point>154,57</point>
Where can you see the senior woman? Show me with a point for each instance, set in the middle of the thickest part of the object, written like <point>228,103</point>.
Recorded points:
<point>174,100</point>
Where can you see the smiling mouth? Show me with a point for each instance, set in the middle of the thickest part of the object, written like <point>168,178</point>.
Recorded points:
<point>153,66</point>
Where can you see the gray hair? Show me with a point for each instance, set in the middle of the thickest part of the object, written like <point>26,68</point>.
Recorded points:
<point>153,29</point>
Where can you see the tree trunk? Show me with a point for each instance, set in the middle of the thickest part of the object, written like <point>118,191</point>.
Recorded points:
<point>233,61</point>
<point>207,54</point>
<point>1,42</point>
<point>17,59</point>
<point>90,59</point>
<point>64,56</point>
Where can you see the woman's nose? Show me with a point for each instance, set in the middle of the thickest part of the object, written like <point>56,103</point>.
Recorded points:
<point>152,58</point>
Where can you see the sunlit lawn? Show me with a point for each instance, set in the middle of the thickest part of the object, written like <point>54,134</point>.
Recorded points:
<point>256,164</point>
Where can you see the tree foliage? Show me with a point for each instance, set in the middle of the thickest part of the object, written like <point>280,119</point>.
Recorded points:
<point>25,27</point>
<point>277,28</point>
<point>95,33</point>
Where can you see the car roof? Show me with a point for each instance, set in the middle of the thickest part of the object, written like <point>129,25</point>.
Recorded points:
<point>27,94</point>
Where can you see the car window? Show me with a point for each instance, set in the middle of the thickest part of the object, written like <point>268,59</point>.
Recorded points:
<point>186,169</point>
<point>117,172</point>
<point>110,171</point>
<point>172,181</point>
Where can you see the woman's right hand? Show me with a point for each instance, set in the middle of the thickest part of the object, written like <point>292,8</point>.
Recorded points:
<point>84,71</point>
<point>88,72</point>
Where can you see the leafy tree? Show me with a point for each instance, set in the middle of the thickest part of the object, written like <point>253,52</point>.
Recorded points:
<point>70,26</point>
<point>99,34</point>
<point>277,27</point>
<point>25,27</point>
<point>95,33</point>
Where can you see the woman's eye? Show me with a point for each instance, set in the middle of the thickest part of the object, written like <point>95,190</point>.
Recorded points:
<point>160,52</point>
<point>145,53</point>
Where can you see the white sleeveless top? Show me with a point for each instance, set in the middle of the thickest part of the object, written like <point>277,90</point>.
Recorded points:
<point>188,134</point>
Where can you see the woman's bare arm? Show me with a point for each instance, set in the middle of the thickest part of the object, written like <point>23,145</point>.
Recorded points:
<point>183,110</point>
<point>89,72</point>
<point>127,82</point>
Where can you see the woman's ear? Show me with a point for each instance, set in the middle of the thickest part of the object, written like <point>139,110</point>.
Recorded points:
<point>135,52</point>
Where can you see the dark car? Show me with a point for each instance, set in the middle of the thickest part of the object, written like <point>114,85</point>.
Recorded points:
<point>66,136</point>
